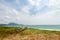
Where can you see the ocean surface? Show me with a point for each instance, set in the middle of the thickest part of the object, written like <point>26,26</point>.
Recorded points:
<point>45,27</point>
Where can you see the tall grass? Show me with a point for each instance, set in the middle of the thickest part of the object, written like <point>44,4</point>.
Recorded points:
<point>6,31</point>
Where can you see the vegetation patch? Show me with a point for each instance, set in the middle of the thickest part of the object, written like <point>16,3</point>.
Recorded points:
<point>7,31</point>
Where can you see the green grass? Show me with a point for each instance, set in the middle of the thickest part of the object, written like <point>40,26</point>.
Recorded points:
<point>6,31</point>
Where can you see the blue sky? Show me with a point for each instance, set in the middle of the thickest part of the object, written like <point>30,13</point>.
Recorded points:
<point>30,12</point>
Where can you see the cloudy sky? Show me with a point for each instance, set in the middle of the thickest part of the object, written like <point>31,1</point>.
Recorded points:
<point>30,12</point>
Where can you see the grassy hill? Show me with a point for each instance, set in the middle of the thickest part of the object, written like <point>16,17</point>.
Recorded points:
<point>17,33</point>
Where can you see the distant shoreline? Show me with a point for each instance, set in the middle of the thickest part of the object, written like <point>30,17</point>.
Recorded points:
<point>48,29</point>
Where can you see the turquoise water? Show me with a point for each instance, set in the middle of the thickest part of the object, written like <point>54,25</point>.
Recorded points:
<point>55,27</point>
<point>44,27</point>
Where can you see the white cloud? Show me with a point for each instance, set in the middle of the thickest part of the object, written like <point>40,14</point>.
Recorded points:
<point>6,12</point>
<point>53,2</point>
<point>26,9</point>
<point>12,15</point>
<point>35,2</point>
<point>48,18</point>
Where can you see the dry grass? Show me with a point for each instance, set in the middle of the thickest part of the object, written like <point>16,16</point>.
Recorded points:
<point>29,34</point>
<point>33,37</point>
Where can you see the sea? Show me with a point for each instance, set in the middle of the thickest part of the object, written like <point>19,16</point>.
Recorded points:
<point>42,27</point>
<point>45,27</point>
